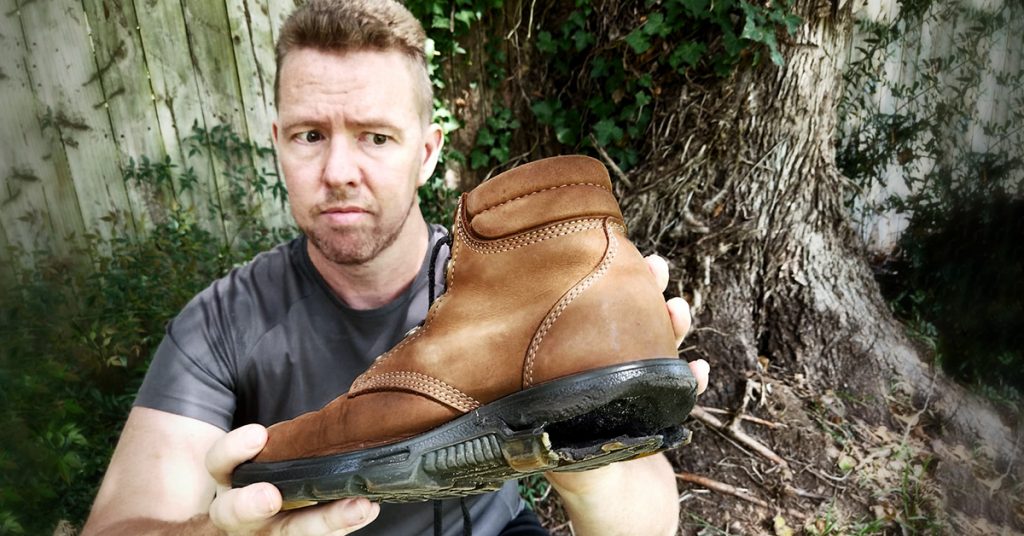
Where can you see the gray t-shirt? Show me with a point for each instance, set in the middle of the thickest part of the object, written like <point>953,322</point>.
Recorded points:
<point>271,341</point>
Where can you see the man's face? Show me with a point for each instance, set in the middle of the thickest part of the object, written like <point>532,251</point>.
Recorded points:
<point>353,148</point>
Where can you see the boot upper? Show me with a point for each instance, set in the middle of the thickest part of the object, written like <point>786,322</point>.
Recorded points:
<point>542,283</point>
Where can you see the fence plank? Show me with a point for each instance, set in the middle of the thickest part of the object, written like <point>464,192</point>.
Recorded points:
<point>211,43</point>
<point>101,84</point>
<point>1011,104</point>
<point>932,55</point>
<point>128,97</point>
<point>62,69</point>
<point>176,94</point>
<point>254,58</point>
<point>278,12</point>
<point>23,166</point>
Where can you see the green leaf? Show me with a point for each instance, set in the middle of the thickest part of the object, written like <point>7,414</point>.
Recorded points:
<point>583,39</point>
<point>642,98</point>
<point>500,153</point>
<point>687,53</point>
<point>465,16</point>
<point>696,8</point>
<point>655,25</point>
<point>484,137</point>
<point>544,110</point>
<point>478,159</point>
<point>792,22</point>
<point>565,135</point>
<point>755,30</point>
<point>638,41</point>
<point>606,131</point>
<point>546,43</point>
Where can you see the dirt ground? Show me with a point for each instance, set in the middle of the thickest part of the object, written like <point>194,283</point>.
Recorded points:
<point>796,460</point>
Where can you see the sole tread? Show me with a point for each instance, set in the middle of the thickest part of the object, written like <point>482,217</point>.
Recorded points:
<point>573,424</point>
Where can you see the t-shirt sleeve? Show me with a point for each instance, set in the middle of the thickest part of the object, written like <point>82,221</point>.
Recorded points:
<point>191,372</point>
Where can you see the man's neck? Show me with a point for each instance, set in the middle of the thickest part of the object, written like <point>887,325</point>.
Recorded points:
<point>383,278</point>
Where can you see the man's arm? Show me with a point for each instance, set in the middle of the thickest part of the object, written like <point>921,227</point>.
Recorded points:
<point>167,469</point>
<point>157,479</point>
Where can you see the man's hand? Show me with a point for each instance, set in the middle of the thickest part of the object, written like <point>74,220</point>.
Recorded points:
<point>257,507</point>
<point>679,312</point>
<point>637,496</point>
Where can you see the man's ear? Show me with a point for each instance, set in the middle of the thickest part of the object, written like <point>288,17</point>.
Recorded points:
<point>433,141</point>
<point>273,131</point>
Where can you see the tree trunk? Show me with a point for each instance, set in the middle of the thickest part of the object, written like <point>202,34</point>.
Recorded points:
<point>774,266</point>
<point>738,186</point>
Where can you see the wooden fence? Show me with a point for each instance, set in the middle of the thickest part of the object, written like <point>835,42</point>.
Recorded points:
<point>89,86</point>
<point>943,59</point>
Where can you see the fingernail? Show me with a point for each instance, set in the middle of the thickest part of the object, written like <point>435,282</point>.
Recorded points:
<point>264,500</point>
<point>358,511</point>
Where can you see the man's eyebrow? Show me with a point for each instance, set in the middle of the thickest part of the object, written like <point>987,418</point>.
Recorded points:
<point>371,122</point>
<point>289,122</point>
<point>368,123</point>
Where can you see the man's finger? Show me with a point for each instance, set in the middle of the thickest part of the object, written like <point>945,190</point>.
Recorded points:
<point>679,313</point>
<point>336,518</point>
<point>659,267</point>
<point>700,369</point>
<point>245,508</point>
<point>230,451</point>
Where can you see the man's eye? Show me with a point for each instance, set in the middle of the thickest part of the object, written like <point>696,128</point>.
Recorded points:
<point>311,136</point>
<point>379,139</point>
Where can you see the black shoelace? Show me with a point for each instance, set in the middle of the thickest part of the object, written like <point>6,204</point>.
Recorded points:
<point>467,521</point>
<point>446,240</point>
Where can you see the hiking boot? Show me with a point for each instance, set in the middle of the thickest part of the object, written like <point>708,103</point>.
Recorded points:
<point>551,349</point>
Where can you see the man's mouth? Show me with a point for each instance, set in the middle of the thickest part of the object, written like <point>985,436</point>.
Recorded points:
<point>342,210</point>
<point>344,215</point>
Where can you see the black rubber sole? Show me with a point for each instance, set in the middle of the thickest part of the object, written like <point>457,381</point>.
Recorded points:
<point>571,424</point>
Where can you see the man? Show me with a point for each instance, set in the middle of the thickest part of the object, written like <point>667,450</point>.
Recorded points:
<point>292,329</point>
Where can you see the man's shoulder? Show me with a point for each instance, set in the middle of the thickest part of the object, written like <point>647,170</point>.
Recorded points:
<point>266,285</point>
<point>267,267</point>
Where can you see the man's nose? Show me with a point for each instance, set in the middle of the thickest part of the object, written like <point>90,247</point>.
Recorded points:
<point>341,168</point>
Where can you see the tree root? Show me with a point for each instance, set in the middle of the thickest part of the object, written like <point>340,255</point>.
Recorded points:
<point>720,487</point>
<point>734,431</point>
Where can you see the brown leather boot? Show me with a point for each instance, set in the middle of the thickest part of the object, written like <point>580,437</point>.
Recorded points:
<point>551,349</point>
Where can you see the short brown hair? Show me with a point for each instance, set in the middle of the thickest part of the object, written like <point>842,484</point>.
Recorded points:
<point>344,25</point>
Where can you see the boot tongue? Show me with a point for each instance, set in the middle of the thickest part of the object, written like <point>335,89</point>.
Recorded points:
<point>538,194</point>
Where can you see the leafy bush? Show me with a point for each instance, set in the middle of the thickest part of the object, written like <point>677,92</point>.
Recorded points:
<point>608,70</point>
<point>605,66</point>
<point>78,330</point>
<point>961,272</point>
<point>956,276</point>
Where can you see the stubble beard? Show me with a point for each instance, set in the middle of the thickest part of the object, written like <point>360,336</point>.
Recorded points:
<point>354,246</point>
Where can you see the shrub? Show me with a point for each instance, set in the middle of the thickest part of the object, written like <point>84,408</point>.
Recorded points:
<point>78,331</point>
